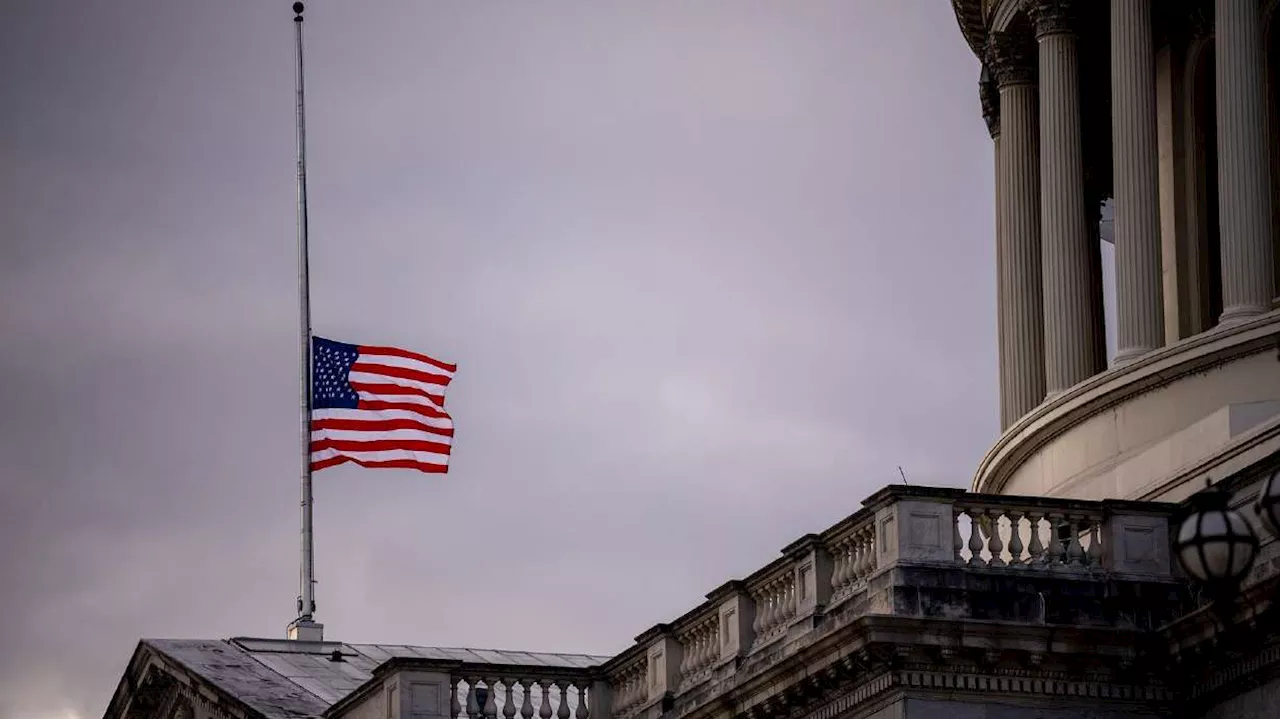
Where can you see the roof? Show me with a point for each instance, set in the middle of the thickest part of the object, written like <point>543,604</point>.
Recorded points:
<point>284,679</point>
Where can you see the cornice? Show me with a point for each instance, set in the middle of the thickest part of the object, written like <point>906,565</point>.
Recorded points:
<point>832,671</point>
<point>972,25</point>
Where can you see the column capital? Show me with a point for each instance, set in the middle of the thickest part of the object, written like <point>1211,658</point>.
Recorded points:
<point>1052,17</point>
<point>989,96</point>
<point>1012,59</point>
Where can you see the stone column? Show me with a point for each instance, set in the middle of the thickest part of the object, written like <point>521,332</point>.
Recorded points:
<point>1021,288</point>
<point>1139,280</point>
<point>989,96</point>
<point>1244,175</point>
<point>1069,332</point>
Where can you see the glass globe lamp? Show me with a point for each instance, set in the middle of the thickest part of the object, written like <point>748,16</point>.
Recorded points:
<point>1215,544</point>
<point>1267,505</point>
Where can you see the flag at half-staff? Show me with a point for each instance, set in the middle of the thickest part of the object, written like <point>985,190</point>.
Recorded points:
<point>378,407</point>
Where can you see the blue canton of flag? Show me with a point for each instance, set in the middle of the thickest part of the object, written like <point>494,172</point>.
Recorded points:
<point>331,374</point>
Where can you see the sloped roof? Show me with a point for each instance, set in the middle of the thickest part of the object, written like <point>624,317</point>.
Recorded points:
<point>282,679</point>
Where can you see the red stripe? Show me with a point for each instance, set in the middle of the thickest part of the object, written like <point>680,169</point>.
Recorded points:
<point>330,462</point>
<point>397,352</point>
<point>378,425</point>
<point>402,372</point>
<point>421,409</point>
<point>387,464</point>
<point>396,389</point>
<point>378,445</point>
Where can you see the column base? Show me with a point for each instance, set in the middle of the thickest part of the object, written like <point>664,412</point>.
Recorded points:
<point>1130,354</point>
<point>1242,313</point>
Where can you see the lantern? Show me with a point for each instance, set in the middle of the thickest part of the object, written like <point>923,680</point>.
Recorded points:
<point>1267,504</point>
<point>1215,544</point>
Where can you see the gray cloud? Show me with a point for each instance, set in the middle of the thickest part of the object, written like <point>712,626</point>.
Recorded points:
<point>711,273</point>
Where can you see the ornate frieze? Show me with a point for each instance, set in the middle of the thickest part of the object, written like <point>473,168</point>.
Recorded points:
<point>989,96</point>
<point>1012,59</point>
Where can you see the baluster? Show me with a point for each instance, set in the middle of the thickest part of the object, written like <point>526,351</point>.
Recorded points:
<point>1015,538</point>
<point>563,711</point>
<point>1055,539</point>
<point>1036,550</point>
<point>686,661</point>
<point>526,699</point>
<point>792,594</point>
<point>508,702</point>
<point>776,607</point>
<point>850,553</point>
<point>840,555</point>
<point>491,699</point>
<point>855,559</point>
<point>864,554</point>
<point>473,705</point>
<point>994,544</point>
<point>872,563</point>
<point>975,537</point>
<point>955,530</point>
<point>1095,543</point>
<point>757,624</point>
<point>704,645</point>
<point>455,706</point>
<point>545,712</point>
<point>1075,552</point>
<point>584,711</point>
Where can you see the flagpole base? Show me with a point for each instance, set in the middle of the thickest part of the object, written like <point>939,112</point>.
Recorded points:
<point>305,630</point>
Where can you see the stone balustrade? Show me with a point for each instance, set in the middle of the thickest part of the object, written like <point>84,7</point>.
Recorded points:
<point>908,553</point>
<point>490,692</point>
<point>854,553</point>
<point>866,565</point>
<point>1039,534</point>
<point>630,684</point>
<point>775,602</point>
<point>699,648</point>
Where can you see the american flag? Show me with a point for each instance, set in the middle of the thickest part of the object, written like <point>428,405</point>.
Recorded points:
<point>378,407</point>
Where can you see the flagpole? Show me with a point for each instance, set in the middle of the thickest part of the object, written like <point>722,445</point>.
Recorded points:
<point>304,627</point>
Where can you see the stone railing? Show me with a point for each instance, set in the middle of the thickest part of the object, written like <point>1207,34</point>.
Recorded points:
<point>843,570</point>
<point>489,692</point>
<point>909,551</point>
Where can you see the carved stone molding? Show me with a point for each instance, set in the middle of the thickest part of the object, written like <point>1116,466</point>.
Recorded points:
<point>1012,59</point>
<point>987,685</point>
<point>1052,17</point>
<point>989,96</point>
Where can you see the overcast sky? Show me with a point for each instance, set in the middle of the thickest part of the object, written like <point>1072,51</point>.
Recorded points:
<point>710,271</point>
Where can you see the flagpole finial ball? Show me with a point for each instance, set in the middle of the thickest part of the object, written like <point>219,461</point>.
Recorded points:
<point>298,8</point>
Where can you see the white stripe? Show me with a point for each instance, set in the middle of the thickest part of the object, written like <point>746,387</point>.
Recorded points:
<point>375,378</point>
<point>402,398</point>
<point>383,456</point>
<point>377,414</point>
<point>406,362</point>
<point>365,436</point>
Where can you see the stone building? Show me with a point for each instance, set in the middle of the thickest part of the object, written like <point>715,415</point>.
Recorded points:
<point>1060,586</point>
